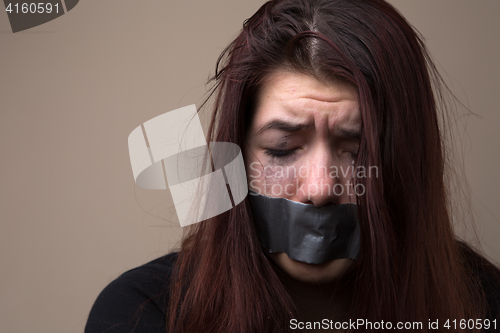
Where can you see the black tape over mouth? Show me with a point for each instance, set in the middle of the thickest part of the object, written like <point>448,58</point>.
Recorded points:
<point>313,235</point>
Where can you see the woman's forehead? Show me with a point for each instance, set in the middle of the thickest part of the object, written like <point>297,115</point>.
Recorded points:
<point>286,84</point>
<point>297,98</point>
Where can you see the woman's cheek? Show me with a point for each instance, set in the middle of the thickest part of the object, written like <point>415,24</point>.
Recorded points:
<point>255,177</point>
<point>277,182</point>
<point>272,179</point>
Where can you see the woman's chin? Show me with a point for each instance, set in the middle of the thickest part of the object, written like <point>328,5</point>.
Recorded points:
<point>328,272</point>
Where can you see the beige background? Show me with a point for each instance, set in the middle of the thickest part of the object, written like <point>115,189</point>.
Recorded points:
<point>73,89</point>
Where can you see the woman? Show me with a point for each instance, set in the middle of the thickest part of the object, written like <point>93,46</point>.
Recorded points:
<point>310,85</point>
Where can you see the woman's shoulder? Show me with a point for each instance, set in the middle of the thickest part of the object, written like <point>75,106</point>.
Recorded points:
<point>135,301</point>
<point>488,276</point>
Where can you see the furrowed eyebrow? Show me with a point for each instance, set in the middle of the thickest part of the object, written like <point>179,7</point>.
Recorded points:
<point>283,126</point>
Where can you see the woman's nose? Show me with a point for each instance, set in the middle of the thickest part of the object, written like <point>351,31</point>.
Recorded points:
<point>321,185</point>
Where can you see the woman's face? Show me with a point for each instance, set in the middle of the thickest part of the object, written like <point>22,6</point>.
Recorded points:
<point>301,145</point>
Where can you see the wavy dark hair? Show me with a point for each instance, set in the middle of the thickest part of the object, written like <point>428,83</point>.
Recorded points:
<point>411,266</point>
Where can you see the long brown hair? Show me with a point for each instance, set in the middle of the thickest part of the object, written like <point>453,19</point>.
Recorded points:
<point>411,267</point>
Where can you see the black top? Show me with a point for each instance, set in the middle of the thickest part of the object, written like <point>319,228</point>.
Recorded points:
<point>137,299</point>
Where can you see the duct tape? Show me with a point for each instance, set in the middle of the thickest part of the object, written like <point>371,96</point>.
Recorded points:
<point>306,233</point>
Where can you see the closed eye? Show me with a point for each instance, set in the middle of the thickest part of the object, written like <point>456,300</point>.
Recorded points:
<point>353,154</point>
<point>279,153</point>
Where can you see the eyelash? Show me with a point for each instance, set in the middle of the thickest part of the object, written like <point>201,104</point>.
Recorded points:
<point>278,153</point>
<point>354,154</point>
